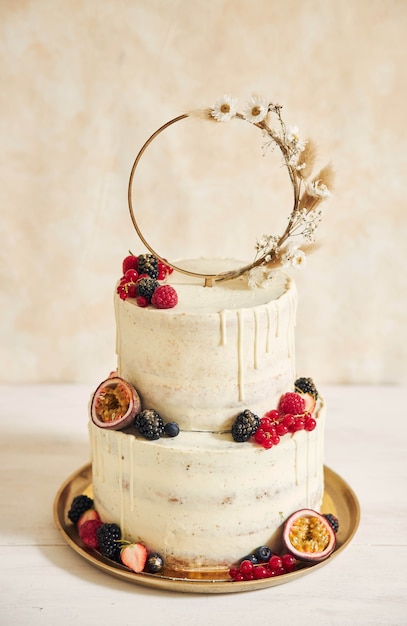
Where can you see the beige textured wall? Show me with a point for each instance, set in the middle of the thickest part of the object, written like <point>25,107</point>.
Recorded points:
<point>84,83</point>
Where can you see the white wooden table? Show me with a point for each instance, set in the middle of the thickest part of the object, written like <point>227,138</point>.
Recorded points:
<point>43,440</point>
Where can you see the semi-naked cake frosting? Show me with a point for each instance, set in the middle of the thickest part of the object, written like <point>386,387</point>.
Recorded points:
<point>206,447</point>
<point>201,499</point>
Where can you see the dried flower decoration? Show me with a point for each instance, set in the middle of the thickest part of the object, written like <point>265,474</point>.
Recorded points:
<point>290,248</point>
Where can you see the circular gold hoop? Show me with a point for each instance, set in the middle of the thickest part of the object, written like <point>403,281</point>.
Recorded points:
<point>208,278</point>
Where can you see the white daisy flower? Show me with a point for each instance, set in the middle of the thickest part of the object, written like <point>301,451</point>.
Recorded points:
<point>294,140</point>
<point>299,260</point>
<point>225,108</point>
<point>317,189</point>
<point>256,109</point>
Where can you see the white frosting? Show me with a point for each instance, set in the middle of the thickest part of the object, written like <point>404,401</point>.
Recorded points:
<point>202,500</point>
<point>220,350</point>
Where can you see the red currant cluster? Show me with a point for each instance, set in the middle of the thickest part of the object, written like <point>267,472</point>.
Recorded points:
<point>278,422</point>
<point>275,566</point>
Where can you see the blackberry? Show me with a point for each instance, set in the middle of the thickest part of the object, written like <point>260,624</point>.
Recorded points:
<point>79,505</point>
<point>109,536</point>
<point>146,286</point>
<point>306,385</point>
<point>333,521</point>
<point>245,425</point>
<point>149,424</point>
<point>148,264</point>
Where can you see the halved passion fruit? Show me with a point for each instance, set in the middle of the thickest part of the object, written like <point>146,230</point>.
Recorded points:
<point>115,404</point>
<point>309,536</point>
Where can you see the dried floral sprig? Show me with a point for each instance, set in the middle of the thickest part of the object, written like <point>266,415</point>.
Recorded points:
<point>298,238</point>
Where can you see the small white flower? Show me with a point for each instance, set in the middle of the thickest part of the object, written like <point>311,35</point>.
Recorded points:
<point>317,189</point>
<point>294,140</point>
<point>260,277</point>
<point>293,257</point>
<point>299,259</point>
<point>256,109</point>
<point>225,108</point>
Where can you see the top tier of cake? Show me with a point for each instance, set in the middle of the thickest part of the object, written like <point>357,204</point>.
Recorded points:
<point>221,350</point>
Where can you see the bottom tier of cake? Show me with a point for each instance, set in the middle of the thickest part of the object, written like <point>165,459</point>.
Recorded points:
<point>202,500</point>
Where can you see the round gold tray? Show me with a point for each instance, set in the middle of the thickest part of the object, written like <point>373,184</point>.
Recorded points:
<point>339,499</point>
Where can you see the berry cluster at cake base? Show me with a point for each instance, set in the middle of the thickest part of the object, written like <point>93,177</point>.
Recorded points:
<point>308,537</point>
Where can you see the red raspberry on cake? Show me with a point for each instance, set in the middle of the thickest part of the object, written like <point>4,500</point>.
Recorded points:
<point>291,402</point>
<point>164,297</point>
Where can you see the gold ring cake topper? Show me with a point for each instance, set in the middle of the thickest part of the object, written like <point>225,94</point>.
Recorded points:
<point>289,248</point>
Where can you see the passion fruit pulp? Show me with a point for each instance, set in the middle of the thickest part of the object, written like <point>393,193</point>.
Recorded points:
<point>308,536</point>
<point>115,404</point>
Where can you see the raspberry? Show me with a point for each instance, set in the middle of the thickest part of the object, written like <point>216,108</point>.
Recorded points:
<point>109,536</point>
<point>244,426</point>
<point>164,297</point>
<point>149,424</point>
<point>130,263</point>
<point>79,505</point>
<point>291,402</point>
<point>88,533</point>
<point>306,385</point>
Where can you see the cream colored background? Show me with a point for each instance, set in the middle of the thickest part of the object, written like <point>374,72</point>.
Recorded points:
<point>83,85</point>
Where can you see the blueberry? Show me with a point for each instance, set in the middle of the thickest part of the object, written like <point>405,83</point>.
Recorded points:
<point>263,554</point>
<point>251,557</point>
<point>154,563</point>
<point>171,429</point>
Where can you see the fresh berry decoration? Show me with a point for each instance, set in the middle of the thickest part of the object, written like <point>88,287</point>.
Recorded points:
<point>171,429</point>
<point>245,426</point>
<point>306,385</point>
<point>87,516</point>
<point>334,522</point>
<point>149,424</point>
<point>109,536</point>
<point>130,263</point>
<point>148,264</point>
<point>134,556</point>
<point>154,563</point>
<point>306,388</point>
<point>164,297</point>
<point>163,270</point>
<point>291,402</point>
<point>252,569</point>
<point>79,505</point>
<point>88,533</point>
<point>146,286</point>
<point>140,281</point>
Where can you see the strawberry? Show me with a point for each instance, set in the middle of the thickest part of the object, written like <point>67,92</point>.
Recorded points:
<point>291,402</point>
<point>134,556</point>
<point>310,402</point>
<point>88,515</point>
<point>87,532</point>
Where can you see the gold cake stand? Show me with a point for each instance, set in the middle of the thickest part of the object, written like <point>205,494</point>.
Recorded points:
<point>339,499</point>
